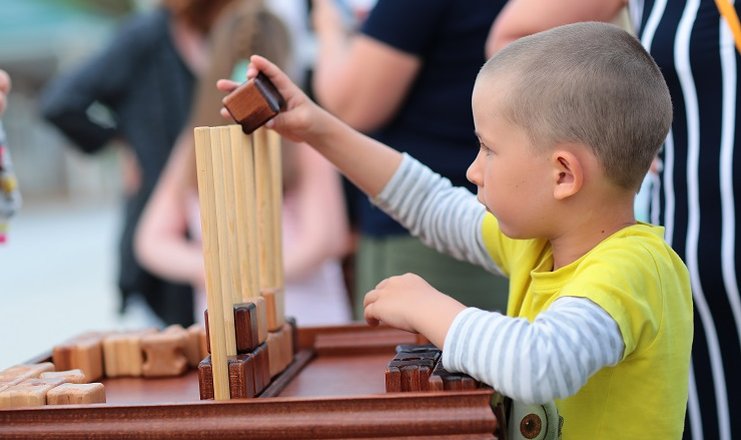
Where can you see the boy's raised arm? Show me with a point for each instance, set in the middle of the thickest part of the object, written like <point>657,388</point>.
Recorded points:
<point>367,163</point>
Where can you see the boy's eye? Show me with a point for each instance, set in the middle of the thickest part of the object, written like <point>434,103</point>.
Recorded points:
<point>484,148</point>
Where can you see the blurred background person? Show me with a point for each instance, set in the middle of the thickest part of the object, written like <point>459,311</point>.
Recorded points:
<point>144,79</point>
<point>406,79</point>
<point>10,197</point>
<point>695,192</point>
<point>315,229</point>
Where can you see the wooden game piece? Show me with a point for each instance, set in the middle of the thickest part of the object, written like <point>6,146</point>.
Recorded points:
<point>294,334</point>
<point>205,379</point>
<point>254,103</point>
<point>84,352</point>
<point>122,353</point>
<point>273,300</point>
<point>30,392</point>
<point>164,352</point>
<point>393,379</point>
<point>262,318</point>
<point>274,353</point>
<point>196,348</point>
<point>70,376</point>
<point>76,394</point>
<point>19,373</point>
<point>242,376</point>
<point>275,151</point>
<point>287,344</point>
<point>219,333</point>
<point>245,327</point>
<point>262,367</point>
<point>410,378</point>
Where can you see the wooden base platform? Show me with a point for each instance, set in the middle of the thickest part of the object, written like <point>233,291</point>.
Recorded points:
<point>334,389</point>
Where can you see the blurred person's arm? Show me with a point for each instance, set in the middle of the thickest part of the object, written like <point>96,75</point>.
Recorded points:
<point>323,231</point>
<point>104,78</point>
<point>160,242</point>
<point>358,78</point>
<point>520,18</point>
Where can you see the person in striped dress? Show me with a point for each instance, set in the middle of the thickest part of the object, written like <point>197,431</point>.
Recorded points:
<point>599,317</point>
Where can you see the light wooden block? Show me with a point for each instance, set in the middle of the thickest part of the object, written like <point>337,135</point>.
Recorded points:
<point>262,319</point>
<point>85,353</point>
<point>69,376</point>
<point>196,348</point>
<point>19,373</point>
<point>122,353</point>
<point>165,352</point>
<point>274,308</point>
<point>76,394</point>
<point>29,393</point>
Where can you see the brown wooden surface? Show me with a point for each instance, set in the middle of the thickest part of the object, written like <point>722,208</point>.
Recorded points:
<point>322,394</point>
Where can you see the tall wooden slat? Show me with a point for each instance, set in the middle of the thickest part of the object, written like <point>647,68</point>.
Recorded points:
<point>209,227</point>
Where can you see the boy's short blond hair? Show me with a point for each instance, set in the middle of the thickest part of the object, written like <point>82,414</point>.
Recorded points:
<point>591,83</point>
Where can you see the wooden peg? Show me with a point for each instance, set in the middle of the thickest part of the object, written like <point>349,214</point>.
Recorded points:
<point>76,394</point>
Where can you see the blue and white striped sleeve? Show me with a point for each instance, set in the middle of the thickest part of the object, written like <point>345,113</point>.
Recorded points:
<point>534,363</point>
<point>444,217</point>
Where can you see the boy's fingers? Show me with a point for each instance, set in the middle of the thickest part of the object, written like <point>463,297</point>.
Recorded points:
<point>5,83</point>
<point>226,85</point>
<point>279,79</point>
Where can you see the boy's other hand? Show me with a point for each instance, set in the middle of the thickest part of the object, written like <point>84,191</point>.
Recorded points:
<point>298,121</point>
<point>408,302</point>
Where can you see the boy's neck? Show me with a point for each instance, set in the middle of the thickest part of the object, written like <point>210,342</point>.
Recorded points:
<point>586,229</point>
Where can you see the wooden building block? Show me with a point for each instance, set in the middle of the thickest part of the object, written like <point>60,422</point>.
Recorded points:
<point>262,367</point>
<point>254,103</point>
<point>197,346</point>
<point>287,345</point>
<point>164,352</point>
<point>76,394</point>
<point>274,353</point>
<point>122,353</point>
<point>21,372</point>
<point>274,308</point>
<point>245,327</point>
<point>262,319</point>
<point>393,379</point>
<point>84,352</point>
<point>242,376</point>
<point>30,392</point>
<point>69,376</point>
<point>205,379</point>
<point>291,320</point>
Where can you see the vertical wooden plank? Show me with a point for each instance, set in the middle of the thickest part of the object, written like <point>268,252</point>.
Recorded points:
<point>217,330</point>
<point>264,196</point>
<point>276,169</point>
<point>223,237</point>
<point>243,167</point>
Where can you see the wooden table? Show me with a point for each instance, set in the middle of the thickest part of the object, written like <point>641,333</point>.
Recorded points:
<point>334,388</point>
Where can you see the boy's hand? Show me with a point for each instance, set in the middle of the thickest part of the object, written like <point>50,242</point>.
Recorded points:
<point>298,121</point>
<point>408,302</point>
<point>4,89</point>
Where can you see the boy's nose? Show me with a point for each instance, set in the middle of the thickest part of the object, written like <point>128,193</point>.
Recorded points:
<point>472,173</point>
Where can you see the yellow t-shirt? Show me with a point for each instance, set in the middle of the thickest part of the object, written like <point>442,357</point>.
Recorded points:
<point>644,286</point>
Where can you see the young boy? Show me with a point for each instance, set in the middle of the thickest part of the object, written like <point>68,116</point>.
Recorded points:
<point>600,311</point>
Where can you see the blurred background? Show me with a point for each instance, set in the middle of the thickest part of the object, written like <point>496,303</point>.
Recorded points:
<point>57,270</point>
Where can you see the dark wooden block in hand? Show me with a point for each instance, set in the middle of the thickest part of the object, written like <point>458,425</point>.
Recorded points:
<point>254,103</point>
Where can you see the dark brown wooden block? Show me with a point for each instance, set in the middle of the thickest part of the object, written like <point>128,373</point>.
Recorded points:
<point>294,333</point>
<point>245,327</point>
<point>242,376</point>
<point>254,103</point>
<point>262,367</point>
<point>205,379</point>
<point>393,380</point>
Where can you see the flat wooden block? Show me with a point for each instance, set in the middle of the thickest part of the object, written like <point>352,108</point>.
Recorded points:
<point>164,352</point>
<point>262,367</point>
<point>70,376</point>
<point>76,394</point>
<point>262,319</point>
<point>245,327</point>
<point>84,352</point>
<point>254,103</point>
<point>242,376</point>
<point>205,379</point>
<point>30,392</point>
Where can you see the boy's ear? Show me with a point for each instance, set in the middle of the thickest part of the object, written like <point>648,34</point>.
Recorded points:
<point>568,174</point>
